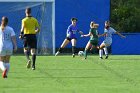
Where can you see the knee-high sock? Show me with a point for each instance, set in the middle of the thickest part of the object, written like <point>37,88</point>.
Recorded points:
<point>85,53</point>
<point>73,49</point>
<point>100,52</point>
<point>34,58</point>
<point>7,65</point>
<point>2,66</point>
<point>27,54</point>
<point>60,49</point>
<point>106,51</point>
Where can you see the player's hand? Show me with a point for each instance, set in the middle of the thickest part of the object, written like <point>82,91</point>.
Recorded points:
<point>68,35</point>
<point>123,36</point>
<point>20,36</point>
<point>82,35</point>
<point>36,31</point>
<point>81,32</point>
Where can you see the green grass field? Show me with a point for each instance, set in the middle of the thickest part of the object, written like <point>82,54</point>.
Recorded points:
<point>64,74</point>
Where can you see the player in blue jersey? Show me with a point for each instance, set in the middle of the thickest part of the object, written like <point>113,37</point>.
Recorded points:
<point>108,31</point>
<point>71,37</point>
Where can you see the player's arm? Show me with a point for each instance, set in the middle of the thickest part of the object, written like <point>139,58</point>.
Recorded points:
<point>37,27</point>
<point>13,37</point>
<point>104,34</point>
<point>22,30</point>
<point>68,31</point>
<point>14,43</point>
<point>120,34</point>
<point>87,35</point>
<point>80,32</point>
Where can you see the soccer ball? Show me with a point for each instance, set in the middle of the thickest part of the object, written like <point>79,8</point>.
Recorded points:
<point>80,53</point>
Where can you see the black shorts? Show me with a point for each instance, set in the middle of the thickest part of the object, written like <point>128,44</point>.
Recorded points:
<point>30,41</point>
<point>70,38</point>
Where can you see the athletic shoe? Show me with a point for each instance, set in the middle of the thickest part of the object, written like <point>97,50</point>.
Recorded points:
<point>33,67</point>
<point>57,53</point>
<point>73,55</point>
<point>101,57</point>
<point>28,64</point>
<point>106,57</point>
<point>4,73</point>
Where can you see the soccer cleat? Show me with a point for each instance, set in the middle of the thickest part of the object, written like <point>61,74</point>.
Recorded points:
<point>106,57</point>
<point>28,64</point>
<point>4,73</point>
<point>33,67</point>
<point>57,53</point>
<point>73,55</point>
<point>101,57</point>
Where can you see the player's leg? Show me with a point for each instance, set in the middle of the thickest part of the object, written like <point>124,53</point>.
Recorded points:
<point>7,63</point>
<point>86,49</point>
<point>26,52</point>
<point>9,52</point>
<point>107,42</point>
<point>2,63</point>
<point>3,66</point>
<point>73,42</point>
<point>65,42</point>
<point>33,53</point>
<point>94,44</point>
<point>101,50</point>
<point>33,46</point>
<point>106,52</point>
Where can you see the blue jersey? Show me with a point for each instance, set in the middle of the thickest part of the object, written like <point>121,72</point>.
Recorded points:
<point>71,31</point>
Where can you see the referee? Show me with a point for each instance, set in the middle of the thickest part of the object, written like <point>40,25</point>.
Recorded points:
<point>29,29</point>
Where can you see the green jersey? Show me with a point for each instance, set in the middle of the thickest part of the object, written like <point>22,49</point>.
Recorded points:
<point>94,33</point>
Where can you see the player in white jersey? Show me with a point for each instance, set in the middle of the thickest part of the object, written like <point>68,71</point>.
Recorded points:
<point>7,44</point>
<point>108,31</point>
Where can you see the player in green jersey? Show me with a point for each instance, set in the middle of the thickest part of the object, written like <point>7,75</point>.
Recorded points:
<point>93,42</point>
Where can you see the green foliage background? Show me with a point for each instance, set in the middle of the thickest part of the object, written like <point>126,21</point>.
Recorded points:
<point>125,15</point>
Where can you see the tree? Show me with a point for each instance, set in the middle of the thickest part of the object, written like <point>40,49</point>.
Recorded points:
<point>125,15</point>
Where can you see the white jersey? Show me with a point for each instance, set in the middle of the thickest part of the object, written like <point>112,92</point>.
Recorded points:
<point>5,38</point>
<point>109,32</point>
<point>108,36</point>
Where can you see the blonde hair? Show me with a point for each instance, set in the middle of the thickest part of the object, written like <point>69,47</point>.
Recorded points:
<point>93,24</point>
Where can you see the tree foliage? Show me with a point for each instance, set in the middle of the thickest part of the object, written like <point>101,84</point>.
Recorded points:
<point>125,15</point>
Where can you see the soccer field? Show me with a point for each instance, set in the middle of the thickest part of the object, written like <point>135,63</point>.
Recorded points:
<point>64,74</point>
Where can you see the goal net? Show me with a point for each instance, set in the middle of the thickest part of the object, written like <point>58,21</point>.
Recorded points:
<point>43,10</point>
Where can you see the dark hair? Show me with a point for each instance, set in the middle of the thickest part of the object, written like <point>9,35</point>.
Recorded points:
<point>74,19</point>
<point>28,10</point>
<point>107,21</point>
<point>5,19</point>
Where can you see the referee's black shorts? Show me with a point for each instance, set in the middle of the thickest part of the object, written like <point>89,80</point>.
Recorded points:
<point>30,41</point>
